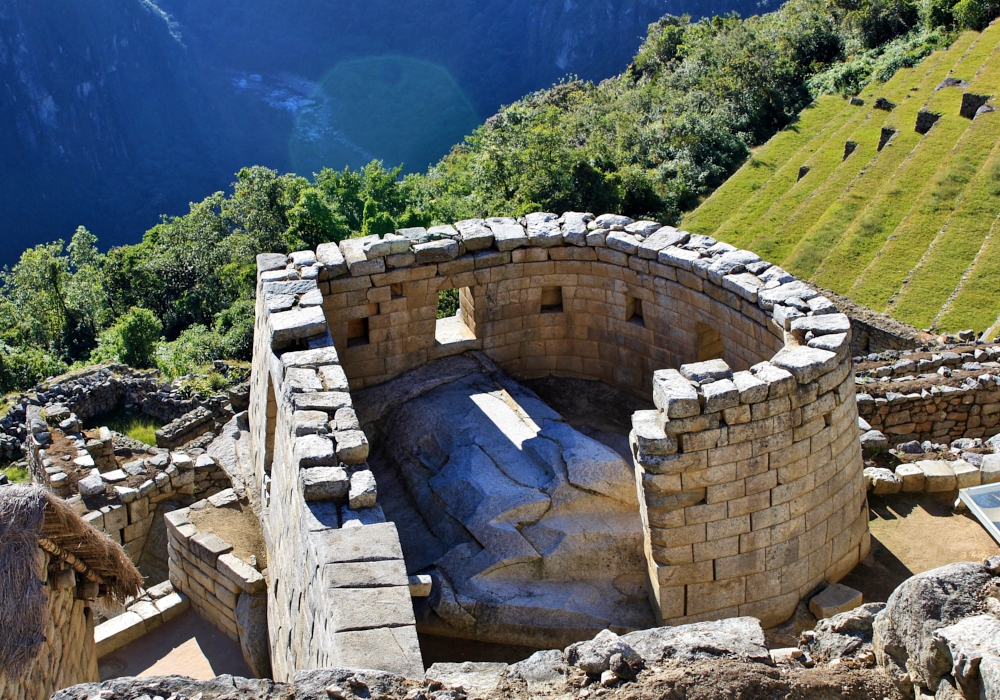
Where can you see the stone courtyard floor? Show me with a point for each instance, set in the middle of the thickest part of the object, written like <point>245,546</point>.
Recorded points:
<point>185,646</point>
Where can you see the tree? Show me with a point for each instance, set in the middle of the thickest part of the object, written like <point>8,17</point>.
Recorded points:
<point>132,340</point>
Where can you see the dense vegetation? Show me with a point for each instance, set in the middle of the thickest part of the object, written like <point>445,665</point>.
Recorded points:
<point>649,142</point>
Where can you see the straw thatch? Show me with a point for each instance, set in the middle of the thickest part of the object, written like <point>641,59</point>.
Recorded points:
<point>31,519</point>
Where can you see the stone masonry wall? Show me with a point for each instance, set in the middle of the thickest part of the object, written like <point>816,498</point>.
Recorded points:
<point>68,655</point>
<point>939,395</point>
<point>338,593</point>
<point>204,568</point>
<point>750,481</point>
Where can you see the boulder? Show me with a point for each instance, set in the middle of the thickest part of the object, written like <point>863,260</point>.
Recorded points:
<point>736,637</point>
<point>903,633</point>
<point>594,657</point>
<point>541,668</point>
<point>961,648</point>
<point>844,636</point>
<point>251,623</point>
<point>874,441</point>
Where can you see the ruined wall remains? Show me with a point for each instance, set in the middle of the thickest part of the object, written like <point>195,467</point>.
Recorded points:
<point>939,395</point>
<point>749,471</point>
<point>68,655</point>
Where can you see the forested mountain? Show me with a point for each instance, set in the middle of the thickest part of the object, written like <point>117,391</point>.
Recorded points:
<point>115,112</point>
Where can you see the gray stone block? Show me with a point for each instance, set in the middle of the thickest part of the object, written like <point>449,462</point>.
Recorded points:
<point>371,608</point>
<point>674,394</point>
<point>364,492</point>
<point>324,483</point>
<point>805,363</point>
<point>365,574</point>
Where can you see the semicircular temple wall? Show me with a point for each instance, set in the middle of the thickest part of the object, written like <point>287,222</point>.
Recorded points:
<point>749,468</point>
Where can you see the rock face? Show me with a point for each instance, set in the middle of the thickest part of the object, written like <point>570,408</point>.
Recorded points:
<point>905,640</point>
<point>735,637</point>
<point>844,636</point>
<point>533,528</point>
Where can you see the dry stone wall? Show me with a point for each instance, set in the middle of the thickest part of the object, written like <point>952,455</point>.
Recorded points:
<point>224,589</point>
<point>748,471</point>
<point>68,655</point>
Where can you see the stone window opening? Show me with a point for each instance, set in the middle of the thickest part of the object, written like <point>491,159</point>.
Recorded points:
<point>396,290</point>
<point>552,300</point>
<point>357,332</point>
<point>633,312</point>
<point>455,316</point>
<point>708,344</point>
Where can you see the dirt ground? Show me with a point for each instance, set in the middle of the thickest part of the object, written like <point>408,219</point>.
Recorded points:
<point>238,526</point>
<point>912,533</point>
<point>186,646</point>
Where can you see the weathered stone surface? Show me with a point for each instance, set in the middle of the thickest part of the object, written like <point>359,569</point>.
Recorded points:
<point>324,483</point>
<point>911,477</point>
<point>224,687</point>
<point>874,441</point>
<point>298,324</point>
<point>251,623</point>
<point>805,363</point>
<point>594,656</point>
<point>882,481</point>
<point>477,678</point>
<point>990,471</point>
<point>707,371</point>
<point>363,492</point>
<point>541,668</point>
<point>846,635</point>
<point>504,499</point>
<point>507,233</point>
<point>963,646</point>
<point>736,637</point>
<point>938,475</point>
<point>904,631</point>
<point>674,395</point>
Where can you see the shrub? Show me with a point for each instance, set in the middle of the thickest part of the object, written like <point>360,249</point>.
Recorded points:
<point>975,14</point>
<point>132,340</point>
<point>24,367</point>
<point>194,348</point>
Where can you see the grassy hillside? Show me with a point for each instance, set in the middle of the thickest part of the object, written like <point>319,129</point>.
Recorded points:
<point>909,229</point>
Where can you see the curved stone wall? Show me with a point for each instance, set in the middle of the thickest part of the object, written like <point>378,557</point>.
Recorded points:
<point>749,470</point>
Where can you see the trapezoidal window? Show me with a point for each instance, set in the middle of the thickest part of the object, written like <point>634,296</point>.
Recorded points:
<point>552,300</point>
<point>357,332</point>
<point>456,318</point>
<point>709,343</point>
<point>633,312</point>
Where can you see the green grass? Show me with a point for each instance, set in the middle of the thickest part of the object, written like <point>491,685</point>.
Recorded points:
<point>137,426</point>
<point>960,175</point>
<point>768,163</point>
<point>956,249</point>
<point>769,206</point>
<point>799,233</point>
<point>16,475</point>
<point>906,176</point>
<point>977,303</point>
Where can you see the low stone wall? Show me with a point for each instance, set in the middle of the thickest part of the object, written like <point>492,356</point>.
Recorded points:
<point>68,655</point>
<point>224,589</point>
<point>151,609</point>
<point>941,398</point>
<point>127,515</point>
<point>186,428</point>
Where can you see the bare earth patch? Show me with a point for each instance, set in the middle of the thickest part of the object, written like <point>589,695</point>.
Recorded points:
<point>237,525</point>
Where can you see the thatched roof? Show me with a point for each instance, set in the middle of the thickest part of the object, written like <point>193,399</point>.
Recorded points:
<point>31,518</point>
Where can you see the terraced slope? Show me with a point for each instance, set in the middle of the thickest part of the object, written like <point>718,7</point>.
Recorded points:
<point>901,221</point>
